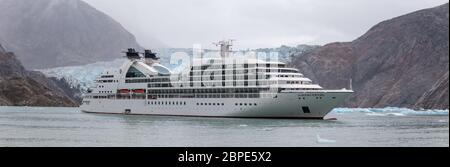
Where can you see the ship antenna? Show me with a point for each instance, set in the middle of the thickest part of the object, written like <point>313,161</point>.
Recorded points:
<point>225,47</point>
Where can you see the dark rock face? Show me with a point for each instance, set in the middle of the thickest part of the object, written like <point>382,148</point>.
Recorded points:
<point>19,87</point>
<point>52,33</point>
<point>401,62</point>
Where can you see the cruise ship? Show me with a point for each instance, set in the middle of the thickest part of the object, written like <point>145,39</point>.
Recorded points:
<point>221,86</point>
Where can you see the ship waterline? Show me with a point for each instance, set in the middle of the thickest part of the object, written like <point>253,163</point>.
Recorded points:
<point>286,105</point>
<point>249,88</point>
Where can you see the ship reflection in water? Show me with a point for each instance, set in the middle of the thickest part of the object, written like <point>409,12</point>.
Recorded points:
<point>35,126</point>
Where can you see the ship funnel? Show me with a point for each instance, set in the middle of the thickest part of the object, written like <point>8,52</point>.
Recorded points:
<point>132,54</point>
<point>148,54</point>
<point>150,57</point>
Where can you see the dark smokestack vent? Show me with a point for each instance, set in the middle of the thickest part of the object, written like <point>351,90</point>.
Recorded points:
<point>148,54</point>
<point>132,54</point>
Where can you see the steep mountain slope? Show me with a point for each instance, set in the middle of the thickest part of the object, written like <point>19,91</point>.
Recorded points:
<point>400,62</point>
<point>19,87</point>
<point>52,33</point>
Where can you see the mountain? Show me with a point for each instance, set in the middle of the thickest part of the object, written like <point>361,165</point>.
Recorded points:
<point>53,33</point>
<point>19,87</point>
<point>401,62</point>
<point>286,53</point>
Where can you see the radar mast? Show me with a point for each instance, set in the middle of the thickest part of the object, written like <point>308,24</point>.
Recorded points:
<point>225,47</point>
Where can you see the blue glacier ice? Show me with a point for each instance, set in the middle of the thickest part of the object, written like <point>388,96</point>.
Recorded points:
<point>82,76</point>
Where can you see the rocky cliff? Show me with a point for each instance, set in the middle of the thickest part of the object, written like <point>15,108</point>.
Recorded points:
<point>19,87</point>
<point>400,62</point>
<point>52,33</point>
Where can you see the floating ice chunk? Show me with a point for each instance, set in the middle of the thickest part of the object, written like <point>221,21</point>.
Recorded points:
<point>267,129</point>
<point>385,114</point>
<point>243,125</point>
<point>322,140</point>
<point>391,111</point>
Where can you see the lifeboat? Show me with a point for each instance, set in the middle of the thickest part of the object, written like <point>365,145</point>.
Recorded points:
<point>124,91</point>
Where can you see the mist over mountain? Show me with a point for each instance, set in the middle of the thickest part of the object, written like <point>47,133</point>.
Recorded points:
<point>53,33</point>
<point>401,62</point>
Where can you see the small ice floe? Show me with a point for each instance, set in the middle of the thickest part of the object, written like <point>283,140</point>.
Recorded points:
<point>441,121</point>
<point>391,111</point>
<point>243,125</point>
<point>267,129</point>
<point>375,114</point>
<point>322,140</point>
<point>385,114</point>
<point>395,114</point>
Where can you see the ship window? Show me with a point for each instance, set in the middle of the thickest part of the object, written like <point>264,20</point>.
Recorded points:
<point>133,73</point>
<point>255,104</point>
<point>235,104</point>
<point>223,104</point>
<point>184,103</point>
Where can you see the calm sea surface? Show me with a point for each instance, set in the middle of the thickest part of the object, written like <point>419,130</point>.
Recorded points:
<point>35,126</point>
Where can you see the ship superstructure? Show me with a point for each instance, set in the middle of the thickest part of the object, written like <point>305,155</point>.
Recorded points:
<point>215,87</point>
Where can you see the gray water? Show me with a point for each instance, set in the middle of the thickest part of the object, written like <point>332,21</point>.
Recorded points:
<point>35,126</point>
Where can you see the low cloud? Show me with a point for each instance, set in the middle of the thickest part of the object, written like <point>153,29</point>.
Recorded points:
<point>253,23</point>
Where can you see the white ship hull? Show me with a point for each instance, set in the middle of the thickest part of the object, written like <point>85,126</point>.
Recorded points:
<point>285,105</point>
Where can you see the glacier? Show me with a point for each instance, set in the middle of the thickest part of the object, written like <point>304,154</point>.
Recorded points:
<point>82,76</point>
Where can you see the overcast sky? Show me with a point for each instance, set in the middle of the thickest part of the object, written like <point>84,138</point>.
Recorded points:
<point>253,23</point>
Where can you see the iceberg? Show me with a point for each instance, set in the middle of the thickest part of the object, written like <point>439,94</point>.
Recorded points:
<point>391,111</point>
<point>322,140</point>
